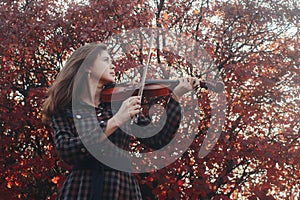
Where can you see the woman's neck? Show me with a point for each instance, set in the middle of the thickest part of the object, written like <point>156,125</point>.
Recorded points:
<point>91,95</point>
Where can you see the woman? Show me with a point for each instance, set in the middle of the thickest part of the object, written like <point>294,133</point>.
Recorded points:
<point>88,71</point>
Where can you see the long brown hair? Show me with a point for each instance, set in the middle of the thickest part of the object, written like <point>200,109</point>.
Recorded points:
<point>60,93</point>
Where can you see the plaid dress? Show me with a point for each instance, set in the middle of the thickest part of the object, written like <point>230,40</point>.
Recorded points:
<point>80,183</point>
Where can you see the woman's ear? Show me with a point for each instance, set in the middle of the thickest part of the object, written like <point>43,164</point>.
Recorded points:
<point>89,73</point>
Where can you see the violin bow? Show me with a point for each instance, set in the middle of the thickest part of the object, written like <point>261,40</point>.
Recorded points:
<point>143,80</point>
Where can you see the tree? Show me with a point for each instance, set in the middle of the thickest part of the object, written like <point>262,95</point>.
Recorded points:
<point>256,53</point>
<point>254,46</point>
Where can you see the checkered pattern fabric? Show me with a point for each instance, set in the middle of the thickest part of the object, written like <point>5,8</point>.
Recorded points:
<point>70,147</point>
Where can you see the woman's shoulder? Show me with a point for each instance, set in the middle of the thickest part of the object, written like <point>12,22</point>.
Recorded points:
<point>71,111</point>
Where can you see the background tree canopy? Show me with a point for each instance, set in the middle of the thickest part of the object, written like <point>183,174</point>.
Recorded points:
<point>255,46</point>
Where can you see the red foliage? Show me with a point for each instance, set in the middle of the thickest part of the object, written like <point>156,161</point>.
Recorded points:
<point>257,154</point>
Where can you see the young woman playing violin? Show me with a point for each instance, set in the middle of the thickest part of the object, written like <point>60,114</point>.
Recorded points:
<point>90,62</point>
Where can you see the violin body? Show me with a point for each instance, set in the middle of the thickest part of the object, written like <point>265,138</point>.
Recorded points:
<point>152,88</point>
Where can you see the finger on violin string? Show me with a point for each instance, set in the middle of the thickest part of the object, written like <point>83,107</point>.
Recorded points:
<point>189,80</point>
<point>196,82</point>
<point>184,81</point>
<point>193,79</point>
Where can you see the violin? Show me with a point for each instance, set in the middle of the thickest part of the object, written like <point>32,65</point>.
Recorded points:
<point>149,88</point>
<point>152,88</point>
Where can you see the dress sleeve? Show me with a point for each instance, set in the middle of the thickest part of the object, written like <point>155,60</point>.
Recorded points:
<point>170,127</point>
<point>68,143</point>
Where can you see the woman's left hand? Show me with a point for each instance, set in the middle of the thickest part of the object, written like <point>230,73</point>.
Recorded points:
<point>185,85</point>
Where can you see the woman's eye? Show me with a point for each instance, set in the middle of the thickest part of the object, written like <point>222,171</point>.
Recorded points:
<point>107,60</point>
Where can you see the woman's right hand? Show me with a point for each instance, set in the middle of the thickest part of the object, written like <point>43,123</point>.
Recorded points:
<point>129,108</point>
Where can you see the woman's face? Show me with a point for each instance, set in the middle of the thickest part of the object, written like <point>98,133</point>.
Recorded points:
<point>103,70</point>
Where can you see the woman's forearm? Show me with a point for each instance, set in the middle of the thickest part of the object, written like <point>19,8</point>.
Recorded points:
<point>112,126</point>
